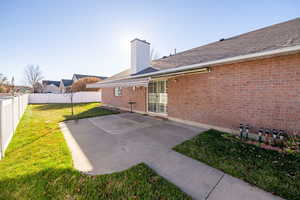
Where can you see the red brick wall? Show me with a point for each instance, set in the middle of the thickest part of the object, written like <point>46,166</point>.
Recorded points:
<point>262,93</point>
<point>128,94</point>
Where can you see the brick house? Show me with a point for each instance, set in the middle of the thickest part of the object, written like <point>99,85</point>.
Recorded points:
<point>253,78</point>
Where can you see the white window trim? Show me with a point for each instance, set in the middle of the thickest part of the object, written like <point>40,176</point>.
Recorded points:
<point>118,91</point>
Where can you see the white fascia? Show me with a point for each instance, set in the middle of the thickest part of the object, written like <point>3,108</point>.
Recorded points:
<point>282,51</point>
<point>252,56</point>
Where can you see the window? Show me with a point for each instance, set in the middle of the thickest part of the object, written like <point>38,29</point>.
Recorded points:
<point>157,96</point>
<point>118,91</point>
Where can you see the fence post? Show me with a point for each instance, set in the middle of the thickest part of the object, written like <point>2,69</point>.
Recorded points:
<point>19,107</point>
<point>8,124</point>
<point>1,130</point>
<point>13,114</point>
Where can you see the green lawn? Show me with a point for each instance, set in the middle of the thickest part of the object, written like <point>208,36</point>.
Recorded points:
<point>270,170</point>
<point>38,164</point>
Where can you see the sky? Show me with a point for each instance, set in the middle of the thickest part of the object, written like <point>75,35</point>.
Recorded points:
<point>65,37</point>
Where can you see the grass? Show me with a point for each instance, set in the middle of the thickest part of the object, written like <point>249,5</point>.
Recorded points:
<point>270,170</point>
<point>38,164</point>
<point>81,110</point>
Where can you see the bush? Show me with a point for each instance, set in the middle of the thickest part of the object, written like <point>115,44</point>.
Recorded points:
<point>80,85</point>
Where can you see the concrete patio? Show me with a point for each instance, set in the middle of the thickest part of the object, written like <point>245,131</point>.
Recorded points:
<point>114,143</point>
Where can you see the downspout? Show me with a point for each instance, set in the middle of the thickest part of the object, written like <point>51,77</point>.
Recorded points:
<point>146,99</point>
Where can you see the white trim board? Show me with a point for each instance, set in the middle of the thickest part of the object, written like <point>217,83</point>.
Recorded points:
<point>252,56</point>
<point>247,57</point>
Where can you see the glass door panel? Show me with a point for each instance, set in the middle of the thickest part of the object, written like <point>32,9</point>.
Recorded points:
<point>157,96</point>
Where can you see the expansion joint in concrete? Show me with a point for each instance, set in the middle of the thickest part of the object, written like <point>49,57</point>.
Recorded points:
<point>214,186</point>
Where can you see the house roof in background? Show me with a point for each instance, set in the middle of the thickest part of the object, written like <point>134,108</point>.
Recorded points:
<point>286,34</point>
<point>67,82</point>
<point>49,82</point>
<point>79,76</point>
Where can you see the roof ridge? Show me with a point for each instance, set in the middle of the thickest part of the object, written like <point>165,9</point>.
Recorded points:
<point>272,37</point>
<point>233,37</point>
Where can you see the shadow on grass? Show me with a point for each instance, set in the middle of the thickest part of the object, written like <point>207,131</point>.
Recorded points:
<point>137,182</point>
<point>27,143</point>
<point>55,106</point>
<point>93,112</point>
<point>40,185</point>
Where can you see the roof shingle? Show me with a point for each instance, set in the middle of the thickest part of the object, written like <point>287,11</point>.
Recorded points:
<point>48,82</point>
<point>286,34</point>
<point>273,37</point>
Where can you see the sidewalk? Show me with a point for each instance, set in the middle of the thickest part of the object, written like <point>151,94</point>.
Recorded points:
<point>201,181</point>
<point>113,143</point>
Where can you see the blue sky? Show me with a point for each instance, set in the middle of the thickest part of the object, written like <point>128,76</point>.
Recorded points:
<point>92,36</point>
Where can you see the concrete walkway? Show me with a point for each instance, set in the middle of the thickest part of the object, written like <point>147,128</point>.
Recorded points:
<point>114,143</point>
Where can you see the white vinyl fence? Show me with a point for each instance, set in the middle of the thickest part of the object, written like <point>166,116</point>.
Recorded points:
<point>78,97</point>
<point>11,111</point>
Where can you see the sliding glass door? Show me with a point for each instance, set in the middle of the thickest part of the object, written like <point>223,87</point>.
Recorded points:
<point>157,96</point>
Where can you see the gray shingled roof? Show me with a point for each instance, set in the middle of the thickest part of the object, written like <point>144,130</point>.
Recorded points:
<point>122,74</point>
<point>144,71</point>
<point>273,37</point>
<point>48,82</point>
<point>79,76</point>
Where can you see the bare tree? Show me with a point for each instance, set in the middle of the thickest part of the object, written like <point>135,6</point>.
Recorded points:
<point>154,54</point>
<point>3,79</point>
<point>33,76</point>
<point>3,83</point>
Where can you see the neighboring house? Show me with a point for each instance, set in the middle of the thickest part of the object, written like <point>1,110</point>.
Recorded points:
<point>65,85</point>
<point>76,77</point>
<point>23,89</point>
<point>253,78</point>
<point>50,86</point>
